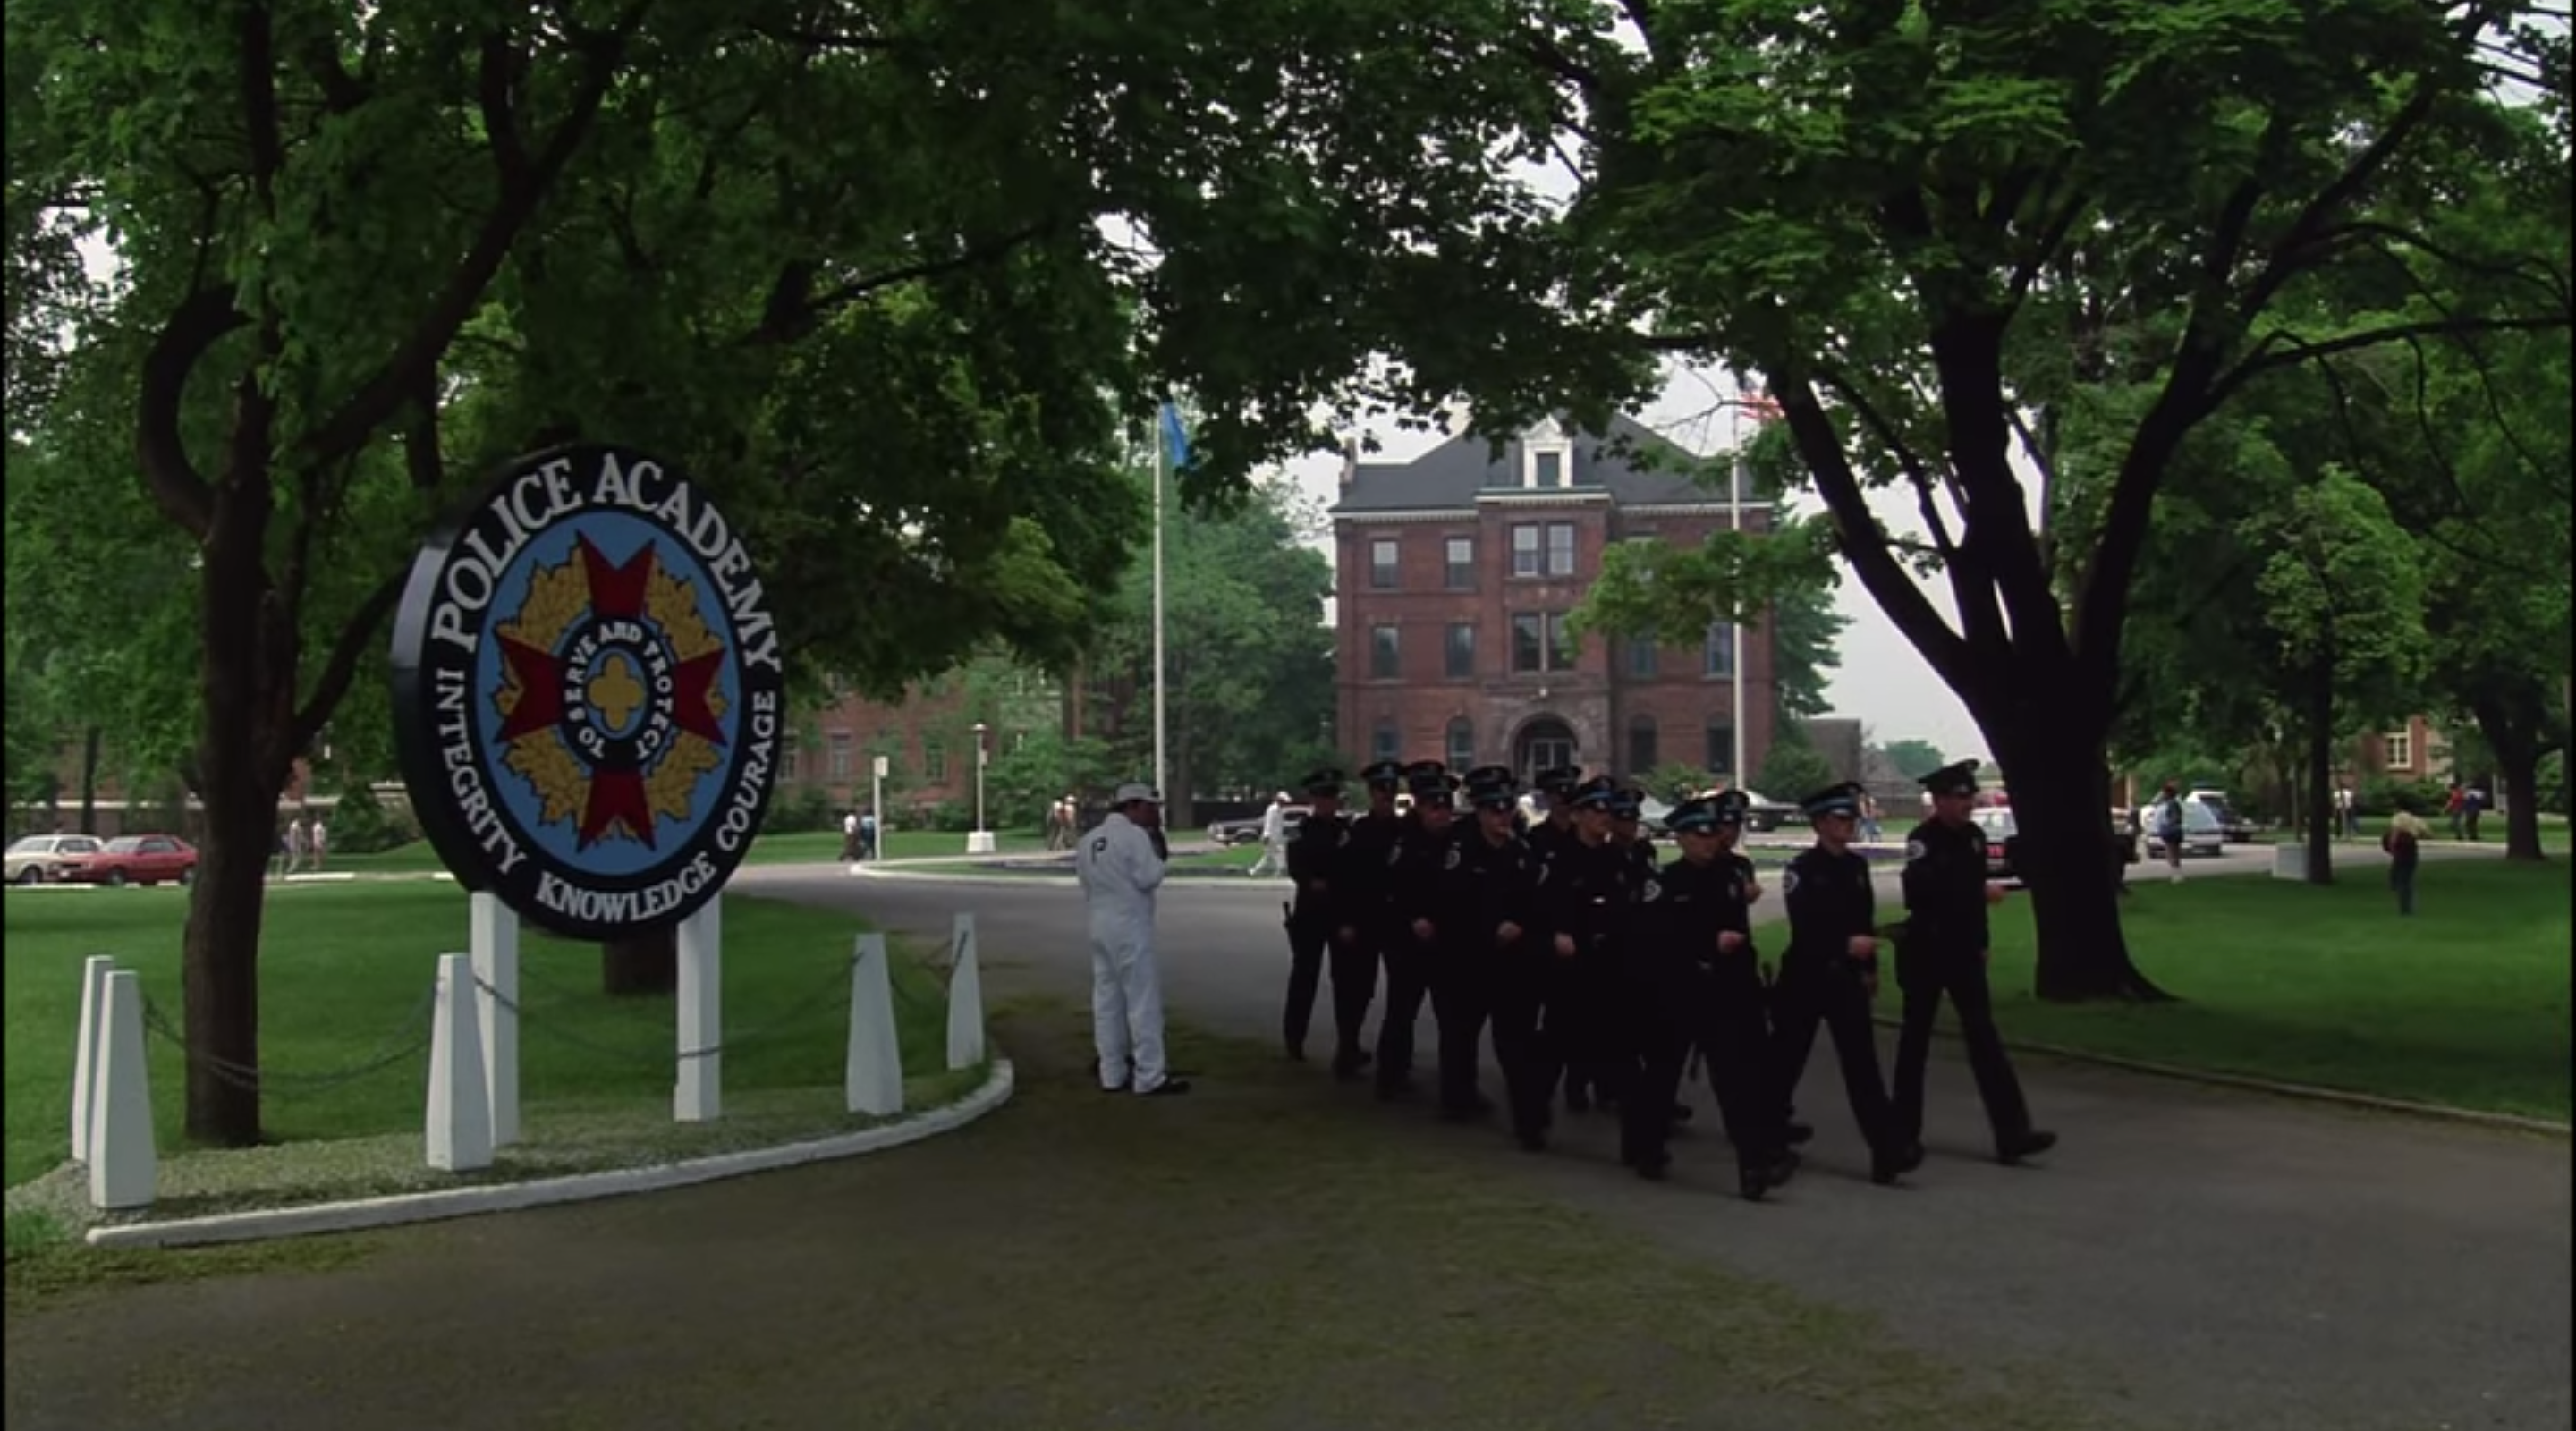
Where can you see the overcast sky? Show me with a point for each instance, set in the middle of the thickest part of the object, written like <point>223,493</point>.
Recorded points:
<point>1882,680</point>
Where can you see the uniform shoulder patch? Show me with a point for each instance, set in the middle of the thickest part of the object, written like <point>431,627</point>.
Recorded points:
<point>1788,881</point>
<point>1650,891</point>
<point>1915,850</point>
<point>1450,860</point>
<point>1395,853</point>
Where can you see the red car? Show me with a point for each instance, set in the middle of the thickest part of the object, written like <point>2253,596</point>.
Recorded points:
<point>136,859</point>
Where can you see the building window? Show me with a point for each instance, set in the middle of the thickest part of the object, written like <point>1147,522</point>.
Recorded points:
<point>840,755</point>
<point>791,760</point>
<point>1458,656</point>
<point>1560,549</point>
<point>2400,749</point>
<point>934,760</point>
<point>1382,742</point>
<point>1462,744</point>
<point>1462,563</point>
<point>1718,657</point>
<point>1560,643</point>
<point>1386,661</point>
<point>1528,559</point>
<point>1641,658</point>
<point>1382,565</point>
<point>1642,754</point>
<point>1721,748</point>
<point>1529,650</point>
<point>1551,469</point>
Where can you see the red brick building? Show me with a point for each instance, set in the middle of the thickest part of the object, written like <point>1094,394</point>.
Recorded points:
<point>1454,575</point>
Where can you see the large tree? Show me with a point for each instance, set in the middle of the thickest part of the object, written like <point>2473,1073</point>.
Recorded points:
<point>847,263</point>
<point>1928,225</point>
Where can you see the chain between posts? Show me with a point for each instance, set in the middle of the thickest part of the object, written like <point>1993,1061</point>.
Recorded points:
<point>806,1009</point>
<point>270,1083</point>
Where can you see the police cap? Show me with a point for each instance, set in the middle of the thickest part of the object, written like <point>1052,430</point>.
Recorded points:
<point>1326,781</point>
<point>1599,792</point>
<point>1558,780</point>
<point>1955,779</point>
<point>1843,799</point>
<point>1730,806</point>
<point>1382,772</point>
<point>1693,817</point>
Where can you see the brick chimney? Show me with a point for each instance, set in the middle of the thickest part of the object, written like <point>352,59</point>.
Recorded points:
<point>1350,461</point>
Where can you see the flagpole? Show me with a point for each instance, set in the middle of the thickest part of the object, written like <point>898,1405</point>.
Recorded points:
<point>1162,457</point>
<point>1735,523</point>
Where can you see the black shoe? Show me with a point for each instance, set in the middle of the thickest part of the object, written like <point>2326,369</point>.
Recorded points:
<point>1654,1170</point>
<point>1121,1088</point>
<point>1169,1087</point>
<point>1796,1134</point>
<point>1778,1171</point>
<point>1577,1101</point>
<point>1885,1168</point>
<point>1681,1113</point>
<point>2029,1145</point>
<point>1532,1140</point>
<point>1753,1180</point>
<point>1296,1053</point>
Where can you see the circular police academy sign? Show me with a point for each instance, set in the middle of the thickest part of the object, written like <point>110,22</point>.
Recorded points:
<point>588,693</point>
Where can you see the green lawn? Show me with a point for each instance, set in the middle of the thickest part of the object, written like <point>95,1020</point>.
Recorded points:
<point>2553,832</point>
<point>344,972</point>
<point>2465,1004</point>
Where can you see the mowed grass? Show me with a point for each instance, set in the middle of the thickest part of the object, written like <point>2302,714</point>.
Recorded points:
<point>2466,1004</point>
<point>798,848</point>
<point>345,973</point>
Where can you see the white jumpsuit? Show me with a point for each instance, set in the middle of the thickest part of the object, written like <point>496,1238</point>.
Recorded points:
<point>1119,872</point>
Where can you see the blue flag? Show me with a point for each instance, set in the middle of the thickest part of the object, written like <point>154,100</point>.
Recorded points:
<point>1176,438</point>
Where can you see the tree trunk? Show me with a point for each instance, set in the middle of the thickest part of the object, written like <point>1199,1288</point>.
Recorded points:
<point>89,781</point>
<point>2057,774</point>
<point>2320,792</point>
<point>642,964</point>
<point>2517,747</point>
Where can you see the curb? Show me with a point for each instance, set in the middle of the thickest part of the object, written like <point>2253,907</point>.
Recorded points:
<point>367,1213</point>
<point>2308,1092</point>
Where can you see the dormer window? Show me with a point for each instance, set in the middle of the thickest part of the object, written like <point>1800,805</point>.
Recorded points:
<point>1547,458</point>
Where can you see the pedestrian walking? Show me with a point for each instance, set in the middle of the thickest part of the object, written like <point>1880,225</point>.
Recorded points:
<point>2169,828</point>
<point>1414,868</point>
<point>1315,922</point>
<point>1119,872</point>
<point>2404,842</point>
<point>1830,974</point>
<point>1274,839</point>
<point>1484,930</point>
<point>1942,955</point>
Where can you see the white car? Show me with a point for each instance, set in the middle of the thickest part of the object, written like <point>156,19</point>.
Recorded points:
<point>2202,834</point>
<point>34,859</point>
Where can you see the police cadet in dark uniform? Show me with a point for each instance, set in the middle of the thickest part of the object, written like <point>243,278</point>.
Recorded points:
<point>1584,887</point>
<point>1628,830</point>
<point>1414,866</point>
<point>1695,980</point>
<point>1556,823</point>
<point>1313,925</point>
<point>1942,951</point>
<point>1360,885</point>
<point>1484,932</point>
<point>1830,974</point>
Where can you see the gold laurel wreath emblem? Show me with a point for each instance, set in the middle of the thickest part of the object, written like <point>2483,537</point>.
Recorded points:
<point>558,596</point>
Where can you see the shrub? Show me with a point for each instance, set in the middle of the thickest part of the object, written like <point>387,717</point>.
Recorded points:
<point>362,825</point>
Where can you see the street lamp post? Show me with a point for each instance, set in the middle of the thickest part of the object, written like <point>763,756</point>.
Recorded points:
<point>980,842</point>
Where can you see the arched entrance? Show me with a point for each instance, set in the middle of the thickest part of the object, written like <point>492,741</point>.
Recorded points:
<point>1544,743</point>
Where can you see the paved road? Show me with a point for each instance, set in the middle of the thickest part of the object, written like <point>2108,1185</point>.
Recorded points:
<point>2218,1260</point>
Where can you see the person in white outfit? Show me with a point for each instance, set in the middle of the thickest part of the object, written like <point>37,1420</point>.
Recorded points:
<point>1274,839</point>
<point>1120,868</point>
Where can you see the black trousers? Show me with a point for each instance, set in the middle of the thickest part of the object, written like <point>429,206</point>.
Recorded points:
<point>1528,1007</point>
<point>1408,979</point>
<point>1927,977</point>
<point>1809,994</point>
<point>1684,1005</point>
<point>1311,948</point>
<point>1462,999</point>
<point>1588,1005</point>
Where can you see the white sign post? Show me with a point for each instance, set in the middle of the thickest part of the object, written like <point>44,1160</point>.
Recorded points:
<point>122,1164</point>
<point>496,1007</point>
<point>873,1080</point>
<point>94,972</point>
<point>876,801</point>
<point>698,1095</point>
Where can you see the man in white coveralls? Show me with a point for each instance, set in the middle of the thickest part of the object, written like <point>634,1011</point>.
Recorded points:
<point>1120,868</point>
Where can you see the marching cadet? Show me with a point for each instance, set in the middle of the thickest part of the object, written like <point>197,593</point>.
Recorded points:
<point>1556,823</point>
<point>1484,939</point>
<point>1360,896</point>
<point>1830,974</point>
<point>1584,887</point>
<point>1628,829</point>
<point>1414,866</point>
<point>1314,930</point>
<point>1695,981</point>
<point>1942,952</point>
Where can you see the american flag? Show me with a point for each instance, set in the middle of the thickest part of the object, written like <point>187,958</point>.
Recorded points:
<point>1758,403</point>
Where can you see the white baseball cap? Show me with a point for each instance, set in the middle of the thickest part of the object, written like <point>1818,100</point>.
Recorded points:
<point>1132,792</point>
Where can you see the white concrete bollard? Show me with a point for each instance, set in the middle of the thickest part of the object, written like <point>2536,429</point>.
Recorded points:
<point>2290,862</point>
<point>965,996</point>
<point>496,998</point>
<point>697,1096</point>
<point>94,970</point>
<point>122,1165</point>
<point>873,1082</point>
<point>459,1126</point>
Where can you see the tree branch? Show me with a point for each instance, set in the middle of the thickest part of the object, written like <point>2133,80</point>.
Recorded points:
<point>355,640</point>
<point>2288,255</point>
<point>2269,355</point>
<point>177,487</point>
<point>354,421</point>
<point>793,310</point>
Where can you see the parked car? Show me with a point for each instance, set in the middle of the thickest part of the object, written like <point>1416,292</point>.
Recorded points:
<point>2201,832</point>
<point>136,859</point>
<point>2233,828</point>
<point>34,859</point>
<point>2003,838</point>
<point>1245,832</point>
